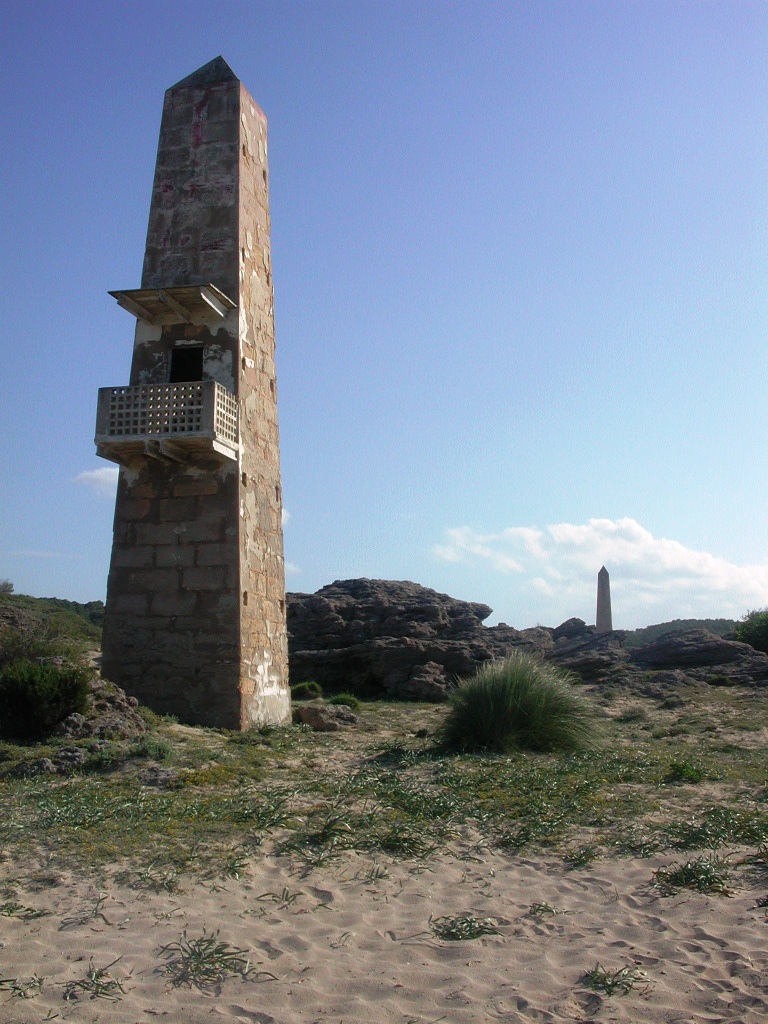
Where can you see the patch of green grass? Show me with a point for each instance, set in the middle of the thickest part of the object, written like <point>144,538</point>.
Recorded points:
<point>13,909</point>
<point>154,878</point>
<point>704,874</point>
<point>542,910</point>
<point>463,927</point>
<point>284,899</point>
<point>347,699</point>
<point>97,984</point>
<point>157,748</point>
<point>519,704</point>
<point>24,988</point>
<point>581,856</point>
<point>386,792</point>
<point>306,691</point>
<point>715,827</point>
<point>684,771</point>
<point>635,714</point>
<point>622,980</point>
<point>204,961</point>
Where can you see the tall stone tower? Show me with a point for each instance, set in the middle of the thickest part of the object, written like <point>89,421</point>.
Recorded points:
<point>195,617</point>
<point>603,619</point>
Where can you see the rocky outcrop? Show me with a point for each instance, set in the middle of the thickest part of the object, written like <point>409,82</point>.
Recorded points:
<point>111,715</point>
<point>324,717</point>
<point>351,612</point>
<point>704,657</point>
<point>394,638</point>
<point>398,639</point>
<point>591,655</point>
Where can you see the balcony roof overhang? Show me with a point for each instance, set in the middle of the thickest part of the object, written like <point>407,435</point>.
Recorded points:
<point>184,304</point>
<point>133,451</point>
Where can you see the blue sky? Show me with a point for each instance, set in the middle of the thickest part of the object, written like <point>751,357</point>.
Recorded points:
<point>520,258</point>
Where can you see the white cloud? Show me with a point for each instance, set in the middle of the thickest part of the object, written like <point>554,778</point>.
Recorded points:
<point>103,481</point>
<point>291,569</point>
<point>286,516</point>
<point>648,573</point>
<point>464,543</point>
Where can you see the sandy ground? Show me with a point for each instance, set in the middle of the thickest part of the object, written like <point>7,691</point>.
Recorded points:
<point>337,944</point>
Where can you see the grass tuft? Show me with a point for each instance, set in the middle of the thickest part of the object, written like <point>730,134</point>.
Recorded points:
<point>704,874</point>
<point>306,691</point>
<point>97,983</point>
<point>623,980</point>
<point>519,704</point>
<point>542,910</point>
<point>204,961</point>
<point>347,699</point>
<point>463,927</point>
<point>684,771</point>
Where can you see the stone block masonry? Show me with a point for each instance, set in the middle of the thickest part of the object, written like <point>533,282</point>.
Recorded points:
<point>195,622</point>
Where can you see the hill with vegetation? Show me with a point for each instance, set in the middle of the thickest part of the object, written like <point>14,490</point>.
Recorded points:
<point>83,622</point>
<point>640,637</point>
<point>68,620</point>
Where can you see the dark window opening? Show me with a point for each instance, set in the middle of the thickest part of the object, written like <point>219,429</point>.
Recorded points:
<point>186,364</point>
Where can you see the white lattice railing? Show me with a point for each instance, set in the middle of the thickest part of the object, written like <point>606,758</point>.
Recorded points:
<point>203,409</point>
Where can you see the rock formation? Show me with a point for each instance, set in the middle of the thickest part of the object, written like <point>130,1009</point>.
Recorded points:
<point>393,638</point>
<point>399,639</point>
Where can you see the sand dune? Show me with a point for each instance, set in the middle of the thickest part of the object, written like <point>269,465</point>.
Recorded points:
<point>339,943</point>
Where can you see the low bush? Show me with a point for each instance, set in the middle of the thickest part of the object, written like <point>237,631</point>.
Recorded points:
<point>35,697</point>
<point>753,630</point>
<point>347,699</point>
<point>306,691</point>
<point>684,771</point>
<point>520,703</point>
<point>154,747</point>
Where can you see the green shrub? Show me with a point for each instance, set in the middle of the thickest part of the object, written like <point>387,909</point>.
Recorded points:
<point>720,679</point>
<point>155,747</point>
<point>753,630</point>
<point>306,691</point>
<point>35,697</point>
<point>348,699</point>
<point>519,703</point>
<point>684,771</point>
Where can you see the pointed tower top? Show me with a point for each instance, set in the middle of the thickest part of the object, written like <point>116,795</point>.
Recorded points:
<point>603,570</point>
<point>215,71</point>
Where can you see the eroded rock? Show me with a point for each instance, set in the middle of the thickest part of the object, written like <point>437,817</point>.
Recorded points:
<point>325,717</point>
<point>397,639</point>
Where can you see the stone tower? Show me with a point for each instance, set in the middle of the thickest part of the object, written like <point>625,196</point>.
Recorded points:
<point>195,616</point>
<point>603,619</point>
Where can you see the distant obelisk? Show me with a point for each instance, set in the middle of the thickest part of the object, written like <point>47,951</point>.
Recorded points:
<point>603,620</point>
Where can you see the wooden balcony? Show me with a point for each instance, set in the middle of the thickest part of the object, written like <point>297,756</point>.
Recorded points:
<point>172,422</point>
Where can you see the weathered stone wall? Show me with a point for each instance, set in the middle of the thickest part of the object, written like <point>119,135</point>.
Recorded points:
<point>171,629</point>
<point>264,644</point>
<point>195,616</point>
<point>192,236</point>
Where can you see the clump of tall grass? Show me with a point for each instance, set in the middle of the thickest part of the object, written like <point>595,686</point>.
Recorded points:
<point>348,700</point>
<point>520,703</point>
<point>306,691</point>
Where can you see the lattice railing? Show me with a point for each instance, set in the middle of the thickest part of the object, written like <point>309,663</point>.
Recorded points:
<point>167,411</point>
